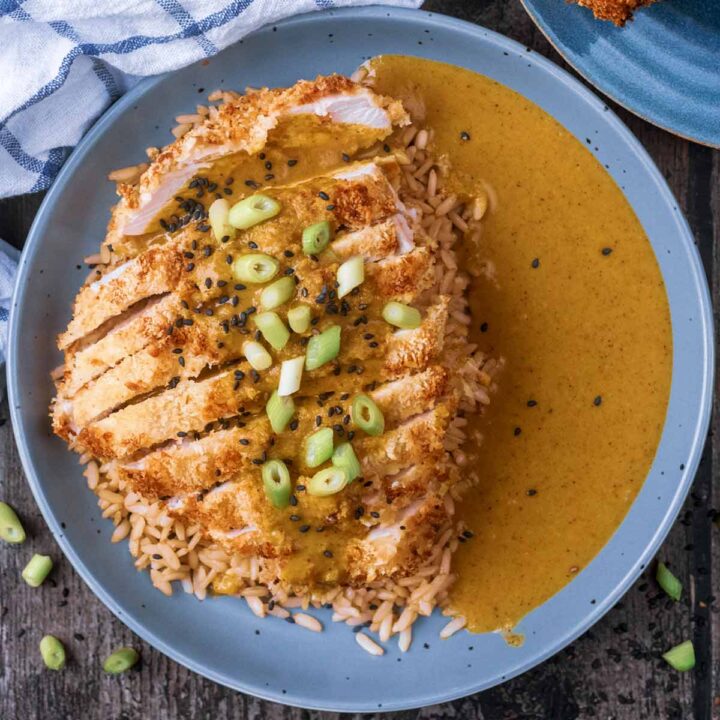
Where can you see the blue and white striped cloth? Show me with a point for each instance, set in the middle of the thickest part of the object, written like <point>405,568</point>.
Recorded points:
<point>64,62</point>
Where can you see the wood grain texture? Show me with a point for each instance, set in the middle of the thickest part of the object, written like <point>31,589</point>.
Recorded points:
<point>613,671</point>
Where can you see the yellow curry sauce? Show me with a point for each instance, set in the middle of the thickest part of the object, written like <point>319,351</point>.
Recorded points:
<point>570,296</point>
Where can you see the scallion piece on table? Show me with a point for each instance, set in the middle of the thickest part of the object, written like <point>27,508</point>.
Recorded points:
<point>276,481</point>
<point>277,293</point>
<point>37,570</point>
<point>318,447</point>
<point>52,652</point>
<point>11,529</point>
<point>327,482</point>
<point>253,210</point>
<point>344,457</point>
<point>299,318</point>
<point>350,274</point>
<point>323,348</point>
<point>315,238</point>
<point>218,215</point>
<point>291,376</point>
<point>255,268</point>
<point>272,328</point>
<point>258,357</point>
<point>668,582</point>
<point>401,315</point>
<point>279,411</point>
<point>681,657</point>
<point>121,660</point>
<point>367,415</point>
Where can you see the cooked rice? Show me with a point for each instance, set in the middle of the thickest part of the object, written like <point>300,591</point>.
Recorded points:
<point>389,608</point>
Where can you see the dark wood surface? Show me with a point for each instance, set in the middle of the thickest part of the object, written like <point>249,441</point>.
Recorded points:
<point>612,672</point>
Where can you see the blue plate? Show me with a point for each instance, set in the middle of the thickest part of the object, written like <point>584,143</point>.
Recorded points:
<point>218,637</point>
<point>664,65</point>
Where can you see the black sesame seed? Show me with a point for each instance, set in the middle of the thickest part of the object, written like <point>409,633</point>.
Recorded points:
<point>239,286</point>
<point>292,163</point>
<point>517,431</point>
<point>318,420</point>
<point>255,376</point>
<point>181,360</point>
<point>208,283</point>
<point>181,434</point>
<point>252,245</point>
<point>597,401</point>
<point>484,327</point>
<point>345,157</point>
<point>531,492</point>
<point>359,512</point>
<point>464,135</point>
<point>177,351</point>
<point>227,191</point>
<point>203,227</point>
<point>535,263</point>
<point>189,255</point>
<point>257,461</point>
<point>229,259</point>
<point>293,500</point>
<point>244,441</point>
<point>531,403</point>
<point>190,267</point>
<point>327,553</point>
<point>251,184</point>
<point>323,195</point>
<point>330,207</point>
<point>606,251</point>
<point>288,253</point>
<point>268,165</point>
<point>304,528</point>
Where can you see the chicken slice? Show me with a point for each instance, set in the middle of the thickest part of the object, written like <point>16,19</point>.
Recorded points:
<point>242,127</point>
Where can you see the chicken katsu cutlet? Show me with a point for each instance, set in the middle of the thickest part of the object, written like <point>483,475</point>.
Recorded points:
<point>271,375</point>
<point>617,11</point>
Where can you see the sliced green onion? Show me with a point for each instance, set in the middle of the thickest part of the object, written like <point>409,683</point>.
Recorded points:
<point>272,328</point>
<point>279,411</point>
<point>277,293</point>
<point>218,216</point>
<point>121,660</point>
<point>345,458</point>
<point>318,447</point>
<point>255,268</point>
<point>258,357</point>
<point>315,238</point>
<point>37,570</point>
<point>668,582</point>
<point>323,347</point>
<point>276,481</point>
<point>401,315</point>
<point>253,210</point>
<point>327,482</point>
<point>367,415</point>
<point>11,529</point>
<point>53,652</point>
<point>681,657</point>
<point>299,318</point>
<point>290,376</point>
<point>350,274</point>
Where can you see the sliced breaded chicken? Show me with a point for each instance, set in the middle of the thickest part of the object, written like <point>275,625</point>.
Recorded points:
<point>617,11</point>
<point>242,127</point>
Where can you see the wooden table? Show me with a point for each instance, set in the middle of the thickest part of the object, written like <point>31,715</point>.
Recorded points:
<point>613,671</point>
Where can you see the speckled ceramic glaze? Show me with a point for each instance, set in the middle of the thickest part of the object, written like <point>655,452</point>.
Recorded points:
<point>664,65</point>
<point>220,638</point>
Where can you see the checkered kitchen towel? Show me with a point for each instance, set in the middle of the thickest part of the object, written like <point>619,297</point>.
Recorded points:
<point>8,265</point>
<point>63,62</point>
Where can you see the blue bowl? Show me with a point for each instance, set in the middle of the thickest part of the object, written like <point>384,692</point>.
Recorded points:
<point>664,65</point>
<point>218,637</point>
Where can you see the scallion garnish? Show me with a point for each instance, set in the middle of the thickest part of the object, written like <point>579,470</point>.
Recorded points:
<point>315,238</point>
<point>367,415</point>
<point>258,357</point>
<point>277,293</point>
<point>272,328</point>
<point>668,582</point>
<point>255,268</point>
<point>401,315</point>
<point>323,348</point>
<point>279,411</point>
<point>681,657</point>
<point>218,216</point>
<point>299,318</point>
<point>276,481</point>
<point>318,447</point>
<point>327,482</point>
<point>350,274</point>
<point>344,457</point>
<point>290,376</point>
<point>253,210</point>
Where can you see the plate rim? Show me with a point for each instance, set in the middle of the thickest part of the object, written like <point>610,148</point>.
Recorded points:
<point>554,41</point>
<point>139,627</point>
